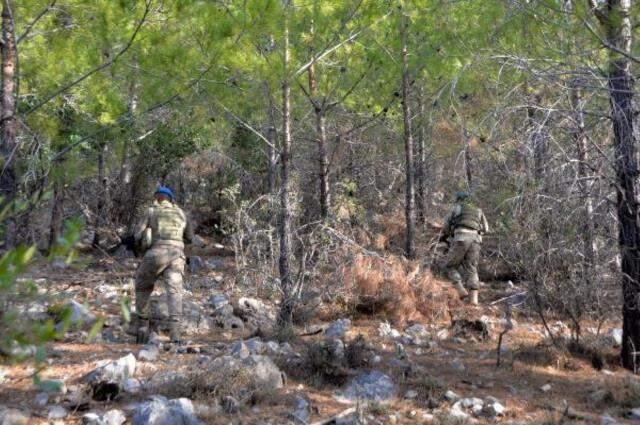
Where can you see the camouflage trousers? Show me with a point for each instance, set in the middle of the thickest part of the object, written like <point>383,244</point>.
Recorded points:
<point>462,260</point>
<point>167,263</point>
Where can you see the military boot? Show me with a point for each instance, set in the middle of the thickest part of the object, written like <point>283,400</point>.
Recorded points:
<point>175,332</point>
<point>473,298</point>
<point>462,292</point>
<point>139,327</point>
<point>134,323</point>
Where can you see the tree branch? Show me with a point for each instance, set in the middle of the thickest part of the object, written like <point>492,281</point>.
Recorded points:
<point>306,66</point>
<point>610,46</point>
<point>246,125</point>
<point>125,116</point>
<point>35,21</point>
<point>104,65</point>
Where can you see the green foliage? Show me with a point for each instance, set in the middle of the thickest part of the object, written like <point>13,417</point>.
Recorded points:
<point>161,152</point>
<point>22,337</point>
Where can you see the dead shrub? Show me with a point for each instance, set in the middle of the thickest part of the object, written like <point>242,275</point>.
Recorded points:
<point>542,355</point>
<point>590,350</point>
<point>379,242</point>
<point>390,232</point>
<point>446,419</point>
<point>626,392</point>
<point>436,298</point>
<point>191,382</point>
<point>395,289</point>
<point>380,286</point>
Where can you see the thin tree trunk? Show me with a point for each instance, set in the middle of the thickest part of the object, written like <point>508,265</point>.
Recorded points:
<point>103,195</point>
<point>272,137</point>
<point>124,178</point>
<point>321,130</point>
<point>124,194</point>
<point>285,317</point>
<point>56,214</point>
<point>8,123</point>
<point>580,139</point>
<point>421,159</point>
<point>408,146</point>
<point>321,139</point>
<point>273,159</point>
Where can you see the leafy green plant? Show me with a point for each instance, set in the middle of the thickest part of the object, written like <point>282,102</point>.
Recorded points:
<point>23,337</point>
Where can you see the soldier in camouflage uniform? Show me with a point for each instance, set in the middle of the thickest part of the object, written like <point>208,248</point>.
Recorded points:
<point>168,228</point>
<point>466,223</point>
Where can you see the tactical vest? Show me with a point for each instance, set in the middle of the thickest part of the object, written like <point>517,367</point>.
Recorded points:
<point>470,217</point>
<point>168,222</point>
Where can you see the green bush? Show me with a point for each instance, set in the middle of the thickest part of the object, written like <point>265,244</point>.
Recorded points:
<point>23,338</point>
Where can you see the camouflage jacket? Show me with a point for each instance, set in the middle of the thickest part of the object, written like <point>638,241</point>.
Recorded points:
<point>169,225</point>
<point>451,227</point>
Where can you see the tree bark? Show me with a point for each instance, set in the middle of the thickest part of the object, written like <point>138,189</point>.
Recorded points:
<point>408,146</point>
<point>8,124</point>
<point>124,178</point>
<point>616,22</point>
<point>55,227</point>
<point>124,190</point>
<point>272,137</point>
<point>621,91</point>
<point>319,110</point>
<point>580,138</point>
<point>273,159</point>
<point>285,317</point>
<point>325,194</point>
<point>103,194</point>
<point>421,160</point>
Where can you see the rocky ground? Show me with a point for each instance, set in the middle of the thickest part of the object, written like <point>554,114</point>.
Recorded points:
<point>336,369</point>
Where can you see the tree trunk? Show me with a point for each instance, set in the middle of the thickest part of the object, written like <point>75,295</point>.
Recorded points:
<point>616,21</point>
<point>285,317</point>
<point>55,228</point>
<point>319,110</point>
<point>408,145</point>
<point>421,160</point>
<point>580,138</point>
<point>621,89</point>
<point>124,194</point>
<point>8,123</point>
<point>272,137</point>
<point>125,165</point>
<point>273,159</point>
<point>321,130</point>
<point>103,194</point>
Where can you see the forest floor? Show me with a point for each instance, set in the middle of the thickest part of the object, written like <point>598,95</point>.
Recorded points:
<point>536,382</point>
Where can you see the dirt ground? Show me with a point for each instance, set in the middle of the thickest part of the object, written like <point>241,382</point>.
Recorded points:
<point>529,362</point>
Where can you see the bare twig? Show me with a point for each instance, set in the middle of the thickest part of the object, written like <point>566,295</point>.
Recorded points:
<point>35,21</point>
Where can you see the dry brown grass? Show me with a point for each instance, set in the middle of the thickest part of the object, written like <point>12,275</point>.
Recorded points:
<point>396,289</point>
<point>623,393</point>
<point>390,231</point>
